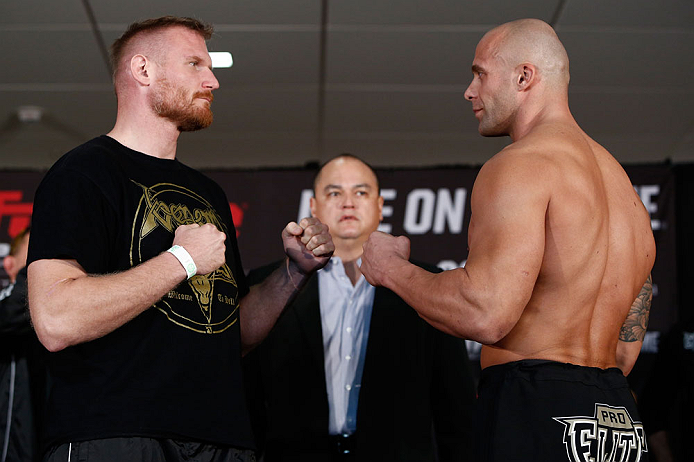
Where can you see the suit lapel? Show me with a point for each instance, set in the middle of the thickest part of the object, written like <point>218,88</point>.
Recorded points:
<point>378,332</point>
<point>307,308</point>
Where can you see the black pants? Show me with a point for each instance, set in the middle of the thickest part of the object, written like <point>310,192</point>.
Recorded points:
<point>136,449</point>
<point>547,411</point>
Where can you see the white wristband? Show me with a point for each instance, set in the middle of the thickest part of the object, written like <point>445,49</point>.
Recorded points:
<point>185,259</point>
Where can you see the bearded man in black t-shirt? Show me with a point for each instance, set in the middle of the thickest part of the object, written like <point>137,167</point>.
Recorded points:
<point>135,282</point>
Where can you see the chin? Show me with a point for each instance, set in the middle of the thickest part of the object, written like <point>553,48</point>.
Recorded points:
<point>491,132</point>
<point>349,235</point>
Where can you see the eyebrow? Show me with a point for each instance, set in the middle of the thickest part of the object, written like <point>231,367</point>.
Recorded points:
<point>356,186</point>
<point>476,68</point>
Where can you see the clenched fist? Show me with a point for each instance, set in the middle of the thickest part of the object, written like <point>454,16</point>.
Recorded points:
<point>205,244</point>
<point>308,244</point>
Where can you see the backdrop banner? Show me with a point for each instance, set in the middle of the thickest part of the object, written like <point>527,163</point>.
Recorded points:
<point>430,205</point>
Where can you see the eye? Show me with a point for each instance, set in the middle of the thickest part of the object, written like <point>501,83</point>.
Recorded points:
<point>361,193</point>
<point>193,63</point>
<point>333,194</point>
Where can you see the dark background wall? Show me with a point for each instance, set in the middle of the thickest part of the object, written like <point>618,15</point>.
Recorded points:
<point>431,207</point>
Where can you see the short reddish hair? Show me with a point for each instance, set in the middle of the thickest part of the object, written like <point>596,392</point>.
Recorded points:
<point>148,25</point>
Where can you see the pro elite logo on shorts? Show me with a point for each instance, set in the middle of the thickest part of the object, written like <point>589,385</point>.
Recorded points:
<point>609,436</point>
<point>206,303</point>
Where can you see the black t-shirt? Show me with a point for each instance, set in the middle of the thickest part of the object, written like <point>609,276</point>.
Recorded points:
<point>173,371</point>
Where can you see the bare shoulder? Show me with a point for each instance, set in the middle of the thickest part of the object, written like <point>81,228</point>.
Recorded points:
<point>518,164</point>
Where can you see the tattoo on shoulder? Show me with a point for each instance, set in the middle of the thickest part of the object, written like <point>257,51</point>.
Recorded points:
<point>634,328</point>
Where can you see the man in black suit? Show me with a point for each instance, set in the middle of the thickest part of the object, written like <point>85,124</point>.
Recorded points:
<point>350,372</point>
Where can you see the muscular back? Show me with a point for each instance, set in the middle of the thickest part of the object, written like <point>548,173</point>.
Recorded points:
<point>596,252</point>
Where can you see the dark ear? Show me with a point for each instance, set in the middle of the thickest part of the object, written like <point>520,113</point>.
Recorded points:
<point>526,74</point>
<point>139,68</point>
<point>8,263</point>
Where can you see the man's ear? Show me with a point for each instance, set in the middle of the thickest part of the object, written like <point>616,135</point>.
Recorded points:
<point>526,75</point>
<point>380,208</point>
<point>312,203</point>
<point>140,69</point>
<point>8,263</point>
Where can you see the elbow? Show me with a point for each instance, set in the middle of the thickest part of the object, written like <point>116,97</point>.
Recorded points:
<point>626,356</point>
<point>492,325</point>
<point>48,331</point>
<point>50,338</point>
<point>481,328</point>
<point>491,333</point>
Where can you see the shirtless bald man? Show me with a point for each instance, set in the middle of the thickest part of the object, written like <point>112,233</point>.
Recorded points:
<point>557,282</point>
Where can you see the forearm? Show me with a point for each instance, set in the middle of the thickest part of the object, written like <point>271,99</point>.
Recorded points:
<point>69,307</point>
<point>450,301</point>
<point>261,307</point>
<point>634,328</point>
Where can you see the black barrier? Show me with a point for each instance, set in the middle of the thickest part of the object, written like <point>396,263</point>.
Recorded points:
<point>430,205</point>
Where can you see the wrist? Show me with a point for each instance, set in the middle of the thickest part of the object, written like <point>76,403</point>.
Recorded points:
<point>184,259</point>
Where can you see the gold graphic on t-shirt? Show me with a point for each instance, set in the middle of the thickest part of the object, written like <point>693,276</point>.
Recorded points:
<point>167,206</point>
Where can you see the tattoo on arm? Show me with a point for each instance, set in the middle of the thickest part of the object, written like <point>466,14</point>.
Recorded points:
<point>634,328</point>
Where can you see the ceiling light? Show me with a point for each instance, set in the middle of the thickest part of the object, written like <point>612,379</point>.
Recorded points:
<point>221,59</point>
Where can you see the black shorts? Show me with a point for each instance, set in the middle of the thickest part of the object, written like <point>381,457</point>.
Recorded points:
<point>538,410</point>
<point>137,449</point>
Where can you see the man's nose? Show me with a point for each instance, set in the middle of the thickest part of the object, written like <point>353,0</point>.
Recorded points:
<point>211,82</point>
<point>469,93</point>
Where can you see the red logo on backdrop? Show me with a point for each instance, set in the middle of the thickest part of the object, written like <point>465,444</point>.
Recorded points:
<point>19,212</point>
<point>237,212</point>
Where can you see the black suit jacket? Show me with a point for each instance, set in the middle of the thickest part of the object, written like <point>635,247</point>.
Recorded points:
<point>417,396</point>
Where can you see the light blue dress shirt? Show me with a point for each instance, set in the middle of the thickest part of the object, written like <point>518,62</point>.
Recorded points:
<point>345,318</point>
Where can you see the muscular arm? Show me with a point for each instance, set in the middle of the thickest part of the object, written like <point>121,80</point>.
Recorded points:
<point>308,247</point>
<point>484,300</point>
<point>69,306</point>
<point>634,328</point>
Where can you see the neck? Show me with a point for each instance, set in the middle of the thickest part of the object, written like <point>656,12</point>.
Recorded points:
<point>349,254</point>
<point>530,116</point>
<point>146,132</point>
<point>352,270</point>
<point>349,249</point>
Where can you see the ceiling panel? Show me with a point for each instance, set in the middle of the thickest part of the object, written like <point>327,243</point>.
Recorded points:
<point>395,111</point>
<point>616,59</point>
<point>419,58</point>
<point>615,113</point>
<point>265,110</point>
<point>628,13</point>
<point>395,73</point>
<point>51,57</point>
<point>244,12</point>
<point>124,12</point>
<point>20,13</point>
<point>87,113</point>
<point>270,57</point>
<point>416,12</point>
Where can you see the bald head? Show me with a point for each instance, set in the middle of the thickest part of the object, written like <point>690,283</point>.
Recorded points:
<point>342,158</point>
<point>530,41</point>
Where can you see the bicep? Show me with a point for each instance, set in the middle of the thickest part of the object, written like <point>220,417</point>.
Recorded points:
<point>45,277</point>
